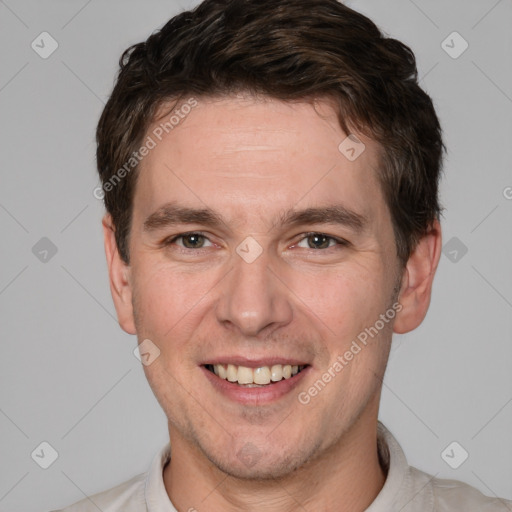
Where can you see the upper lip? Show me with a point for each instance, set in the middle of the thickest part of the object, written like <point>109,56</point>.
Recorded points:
<point>255,363</point>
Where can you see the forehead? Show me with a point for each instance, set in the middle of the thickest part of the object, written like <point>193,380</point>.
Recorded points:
<point>257,155</point>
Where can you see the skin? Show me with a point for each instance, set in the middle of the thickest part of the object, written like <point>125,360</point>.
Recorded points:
<point>249,159</point>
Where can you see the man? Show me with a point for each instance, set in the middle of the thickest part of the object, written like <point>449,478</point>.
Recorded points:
<point>270,171</point>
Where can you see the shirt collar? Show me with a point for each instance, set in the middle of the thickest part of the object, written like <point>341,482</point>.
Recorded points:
<point>393,459</point>
<point>391,456</point>
<point>156,496</point>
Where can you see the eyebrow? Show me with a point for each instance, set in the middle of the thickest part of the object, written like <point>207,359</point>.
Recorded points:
<point>171,214</point>
<point>334,214</point>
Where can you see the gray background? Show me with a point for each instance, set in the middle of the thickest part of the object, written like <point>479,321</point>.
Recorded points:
<point>68,374</point>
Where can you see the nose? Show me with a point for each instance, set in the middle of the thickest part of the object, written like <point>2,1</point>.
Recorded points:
<point>253,300</point>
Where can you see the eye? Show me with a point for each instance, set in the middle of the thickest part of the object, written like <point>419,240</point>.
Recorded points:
<point>190,241</point>
<point>319,241</point>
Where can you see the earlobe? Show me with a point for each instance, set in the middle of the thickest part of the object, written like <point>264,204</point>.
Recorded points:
<point>119,276</point>
<point>417,280</point>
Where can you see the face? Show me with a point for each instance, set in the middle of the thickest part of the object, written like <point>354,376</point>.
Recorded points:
<point>256,243</point>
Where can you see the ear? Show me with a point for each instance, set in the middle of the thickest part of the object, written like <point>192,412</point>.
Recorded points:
<point>119,274</point>
<point>417,281</point>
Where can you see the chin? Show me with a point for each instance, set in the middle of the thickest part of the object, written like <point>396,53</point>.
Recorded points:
<point>249,463</point>
<point>258,472</point>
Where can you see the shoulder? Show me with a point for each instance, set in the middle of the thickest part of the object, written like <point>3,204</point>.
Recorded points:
<point>126,497</point>
<point>449,495</point>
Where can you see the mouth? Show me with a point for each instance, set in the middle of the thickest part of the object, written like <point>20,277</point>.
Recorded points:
<point>260,377</point>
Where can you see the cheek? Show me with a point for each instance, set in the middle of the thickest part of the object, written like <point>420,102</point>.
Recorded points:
<point>345,300</point>
<point>170,385</point>
<point>164,298</point>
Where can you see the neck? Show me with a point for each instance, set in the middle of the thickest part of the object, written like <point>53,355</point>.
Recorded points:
<point>345,477</point>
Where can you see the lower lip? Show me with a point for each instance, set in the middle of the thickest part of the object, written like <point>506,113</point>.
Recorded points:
<point>257,395</point>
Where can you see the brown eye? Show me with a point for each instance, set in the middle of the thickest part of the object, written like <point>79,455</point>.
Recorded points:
<point>191,241</point>
<point>318,241</point>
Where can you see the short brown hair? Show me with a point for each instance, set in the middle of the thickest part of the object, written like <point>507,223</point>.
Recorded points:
<point>289,50</point>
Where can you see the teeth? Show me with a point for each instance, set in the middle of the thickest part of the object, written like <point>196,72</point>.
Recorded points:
<point>222,373</point>
<point>232,373</point>
<point>245,375</point>
<point>277,372</point>
<point>260,376</point>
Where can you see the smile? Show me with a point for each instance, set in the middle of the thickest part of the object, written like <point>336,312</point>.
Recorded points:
<point>254,377</point>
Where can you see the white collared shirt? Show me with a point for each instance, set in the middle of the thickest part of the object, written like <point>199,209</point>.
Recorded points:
<point>406,489</point>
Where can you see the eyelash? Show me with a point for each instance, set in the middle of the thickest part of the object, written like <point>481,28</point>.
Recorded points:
<point>172,240</point>
<point>339,241</point>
